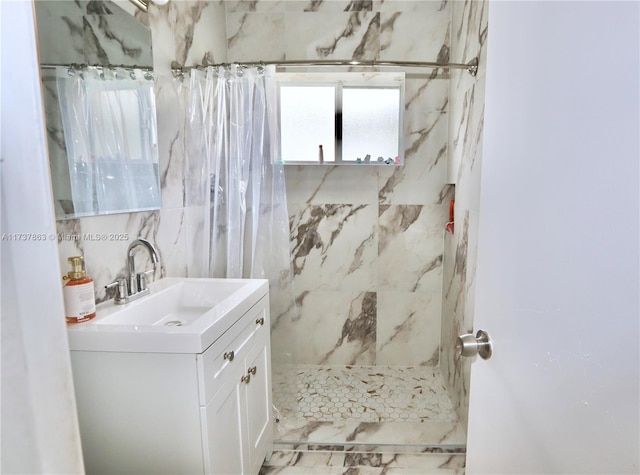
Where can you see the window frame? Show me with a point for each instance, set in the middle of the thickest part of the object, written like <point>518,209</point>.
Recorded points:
<point>341,81</point>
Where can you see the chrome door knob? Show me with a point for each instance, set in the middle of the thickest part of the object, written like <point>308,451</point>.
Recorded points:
<point>469,345</point>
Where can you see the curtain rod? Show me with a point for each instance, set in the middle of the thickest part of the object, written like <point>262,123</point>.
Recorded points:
<point>471,66</point>
<point>82,65</point>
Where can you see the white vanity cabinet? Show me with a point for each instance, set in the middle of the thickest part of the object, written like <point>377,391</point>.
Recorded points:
<point>153,413</point>
<point>237,417</point>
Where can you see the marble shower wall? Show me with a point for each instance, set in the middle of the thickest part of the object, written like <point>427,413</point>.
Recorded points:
<point>466,114</point>
<point>367,245</point>
<point>186,31</point>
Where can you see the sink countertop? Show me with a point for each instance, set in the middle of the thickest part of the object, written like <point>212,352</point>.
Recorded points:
<point>181,315</point>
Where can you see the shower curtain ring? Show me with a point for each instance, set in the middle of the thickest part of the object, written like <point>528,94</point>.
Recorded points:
<point>98,70</point>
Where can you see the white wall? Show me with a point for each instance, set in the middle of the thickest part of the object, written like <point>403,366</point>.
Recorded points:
<point>39,421</point>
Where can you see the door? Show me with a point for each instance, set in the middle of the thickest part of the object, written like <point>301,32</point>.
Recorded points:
<point>557,276</point>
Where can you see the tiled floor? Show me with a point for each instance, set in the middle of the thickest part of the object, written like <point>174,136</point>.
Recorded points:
<point>362,393</point>
<point>358,420</point>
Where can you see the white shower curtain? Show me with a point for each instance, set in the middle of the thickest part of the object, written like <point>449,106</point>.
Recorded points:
<point>233,124</point>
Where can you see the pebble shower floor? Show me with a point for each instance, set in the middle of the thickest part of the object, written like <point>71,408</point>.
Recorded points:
<point>362,393</point>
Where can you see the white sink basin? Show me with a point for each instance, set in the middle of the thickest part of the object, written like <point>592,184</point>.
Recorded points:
<point>181,315</point>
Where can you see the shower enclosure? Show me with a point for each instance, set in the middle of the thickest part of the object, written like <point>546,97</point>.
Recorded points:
<point>359,362</point>
<point>357,302</point>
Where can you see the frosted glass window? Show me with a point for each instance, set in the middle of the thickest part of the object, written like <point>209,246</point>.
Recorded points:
<point>370,123</point>
<point>357,117</point>
<point>307,120</point>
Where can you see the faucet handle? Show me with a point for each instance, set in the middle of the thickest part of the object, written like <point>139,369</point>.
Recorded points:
<point>142,279</point>
<point>121,286</point>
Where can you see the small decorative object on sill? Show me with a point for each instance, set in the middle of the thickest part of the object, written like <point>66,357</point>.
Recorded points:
<point>388,161</point>
<point>367,158</point>
<point>380,159</point>
<point>320,155</point>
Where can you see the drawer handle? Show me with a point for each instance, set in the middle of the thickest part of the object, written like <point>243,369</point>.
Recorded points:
<point>260,321</point>
<point>229,355</point>
<point>252,370</point>
<point>245,379</point>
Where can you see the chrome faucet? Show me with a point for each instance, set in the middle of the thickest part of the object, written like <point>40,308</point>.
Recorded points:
<point>135,285</point>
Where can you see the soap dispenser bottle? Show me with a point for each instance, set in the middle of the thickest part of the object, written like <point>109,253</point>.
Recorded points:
<point>79,295</point>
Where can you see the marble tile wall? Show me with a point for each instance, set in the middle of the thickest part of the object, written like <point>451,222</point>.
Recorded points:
<point>466,111</point>
<point>91,32</point>
<point>367,245</point>
<point>187,32</point>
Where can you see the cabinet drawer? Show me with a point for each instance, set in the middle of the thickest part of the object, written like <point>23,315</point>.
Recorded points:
<point>229,350</point>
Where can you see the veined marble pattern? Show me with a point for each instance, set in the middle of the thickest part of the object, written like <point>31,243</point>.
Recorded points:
<point>436,435</point>
<point>425,92</point>
<point>255,36</point>
<point>470,149</point>
<point>466,114</point>
<point>455,286</point>
<point>421,179</point>
<point>361,393</point>
<point>105,44</point>
<point>188,31</point>
<point>457,370</point>
<point>409,245</point>
<point>469,20</point>
<point>92,32</point>
<point>105,258</point>
<point>408,328</point>
<point>330,6</point>
<point>322,185</point>
<point>171,144</point>
<point>343,326</point>
<point>334,247</point>
<point>327,460</point>
<point>432,45</point>
<point>469,30</point>
<point>255,6</point>
<point>341,29</point>
<point>353,35</point>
